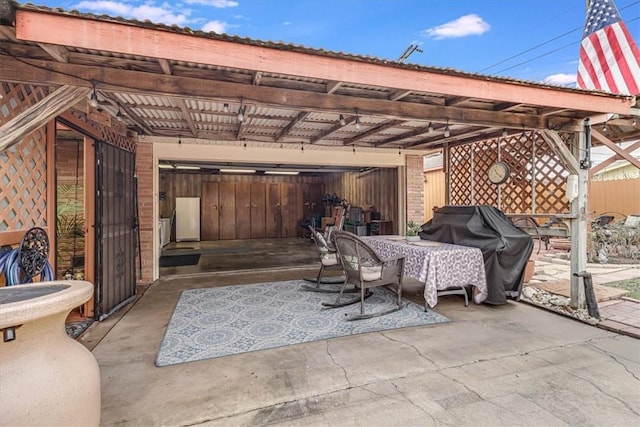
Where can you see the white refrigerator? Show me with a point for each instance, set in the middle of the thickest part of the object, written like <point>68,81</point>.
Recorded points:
<point>187,219</point>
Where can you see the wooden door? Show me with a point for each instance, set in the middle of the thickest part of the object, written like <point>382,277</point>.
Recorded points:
<point>273,219</point>
<point>291,209</point>
<point>243,210</point>
<point>210,213</point>
<point>258,210</point>
<point>227,210</point>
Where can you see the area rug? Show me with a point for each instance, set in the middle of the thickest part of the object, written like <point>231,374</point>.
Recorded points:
<point>215,322</point>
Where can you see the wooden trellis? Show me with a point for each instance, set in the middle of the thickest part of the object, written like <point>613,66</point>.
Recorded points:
<point>23,167</point>
<point>536,184</point>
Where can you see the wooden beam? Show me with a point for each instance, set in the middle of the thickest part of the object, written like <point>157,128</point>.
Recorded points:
<point>332,129</point>
<point>410,134</point>
<point>58,53</point>
<point>374,130</point>
<point>122,37</point>
<point>166,66</point>
<point>600,166</point>
<point>333,86</point>
<point>186,115</point>
<point>257,77</point>
<point>130,81</point>
<point>398,95</point>
<point>39,114</point>
<point>558,145</point>
<point>284,132</point>
<point>455,100</point>
<point>625,154</point>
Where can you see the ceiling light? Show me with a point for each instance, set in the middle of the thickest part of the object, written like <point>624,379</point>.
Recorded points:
<point>430,127</point>
<point>447,131</point>
<point>188,167</point>
<point>523,137</point>
<point>343,122</point>
<point>165,166</point>
<point>237,170</point>
<point>241,112</point>
<point>93,100</point>
<point>281,172</point>
<point>225,107</point>
<point>119,115</point>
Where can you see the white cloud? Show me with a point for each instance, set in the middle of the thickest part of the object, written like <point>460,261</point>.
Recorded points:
<point>219,4</point>
<point>560,79</point>
<point>153,13</point>
<point>215,26</point>
<point>285,23</point>
<point>467,25</point>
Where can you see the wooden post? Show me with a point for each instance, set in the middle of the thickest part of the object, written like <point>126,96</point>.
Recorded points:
<point>579,225</point>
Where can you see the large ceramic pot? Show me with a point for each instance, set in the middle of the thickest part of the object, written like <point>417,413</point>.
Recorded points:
<point>46,378</point>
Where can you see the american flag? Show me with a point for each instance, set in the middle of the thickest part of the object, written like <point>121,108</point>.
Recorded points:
<point>609,58</point>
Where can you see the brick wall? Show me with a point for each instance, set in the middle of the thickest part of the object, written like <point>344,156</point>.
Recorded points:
<point>144,171</point>
<point>415,189</point>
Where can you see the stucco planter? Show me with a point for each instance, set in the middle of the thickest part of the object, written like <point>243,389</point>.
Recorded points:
<point>413,238</point>
<point>46,378</point>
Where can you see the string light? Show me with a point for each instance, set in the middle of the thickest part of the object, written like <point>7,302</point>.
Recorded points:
<point>447,131</point>
<point>357,120</point>
<point>343,122</point>
<point>302,147</point>
<point>354,149</point>
<point>241,112</point>
<point>430,128</point>
<point>225,107</point>
<point>504,133</point>
<point>93,100</point>
<point>523,136</point>
<point>604,127</point>
<point>179,141</point>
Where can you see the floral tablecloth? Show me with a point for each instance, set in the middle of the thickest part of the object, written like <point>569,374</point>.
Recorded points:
<point>437,265</point>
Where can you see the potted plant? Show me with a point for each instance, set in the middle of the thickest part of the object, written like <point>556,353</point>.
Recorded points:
<point>412,231</point>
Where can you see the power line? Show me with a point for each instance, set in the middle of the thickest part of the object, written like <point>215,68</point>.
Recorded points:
<point>547,42</point>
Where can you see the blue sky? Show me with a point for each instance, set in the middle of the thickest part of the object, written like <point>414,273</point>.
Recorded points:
<point>467,35</point>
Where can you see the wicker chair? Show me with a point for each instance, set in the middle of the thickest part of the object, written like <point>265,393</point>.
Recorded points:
<point>328,261</point>
<point>365,270</point>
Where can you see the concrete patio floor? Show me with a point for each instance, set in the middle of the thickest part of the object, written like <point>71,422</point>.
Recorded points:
<point>514,364</point>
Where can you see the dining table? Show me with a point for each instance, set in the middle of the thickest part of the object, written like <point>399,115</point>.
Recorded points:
<point>437,265</point>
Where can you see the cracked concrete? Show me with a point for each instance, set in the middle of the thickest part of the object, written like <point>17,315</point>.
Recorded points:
<point>513,364</point>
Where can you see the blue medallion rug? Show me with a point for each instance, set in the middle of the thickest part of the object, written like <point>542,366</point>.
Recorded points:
<point>214,322</point>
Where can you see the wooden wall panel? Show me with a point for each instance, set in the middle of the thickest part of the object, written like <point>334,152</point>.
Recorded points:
<point>210,212</point>
<point>375,188</point>
<point>258,210</point>
<point>227,208</point>
<point>273,212</point>
<point>434,191</point>
<point>243,210</point>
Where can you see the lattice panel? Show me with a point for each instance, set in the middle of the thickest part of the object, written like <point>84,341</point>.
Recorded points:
<point>485,153</point>
<point>551,179</point>
<point>460,175</point>
<point>516,195</point>
<point>23,166</point>
<point>115,135</point>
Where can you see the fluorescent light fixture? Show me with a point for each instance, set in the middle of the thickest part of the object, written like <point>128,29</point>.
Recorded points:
<point>238,170</point>
<point>188,167</point>
<point>163,166</point>
<point>281,172</point>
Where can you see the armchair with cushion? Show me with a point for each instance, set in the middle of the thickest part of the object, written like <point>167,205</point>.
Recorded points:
<point>328,261</point>
<point>365,270</point>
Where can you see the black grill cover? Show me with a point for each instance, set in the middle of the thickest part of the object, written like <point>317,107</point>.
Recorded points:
<point>505,248</point>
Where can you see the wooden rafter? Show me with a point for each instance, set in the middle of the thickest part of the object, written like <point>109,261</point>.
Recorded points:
<point>333,86</point>
<point>332,129</point>
<point>374,130</point>
<point>406,135</point>
<point>186,115</point>
<point>399,94</point>
<point>557,144</point>
<point>58,53</point>
<point>625,154</point>
<point>455,100</point>
<point>39,114</point>
<point>284,132</point>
